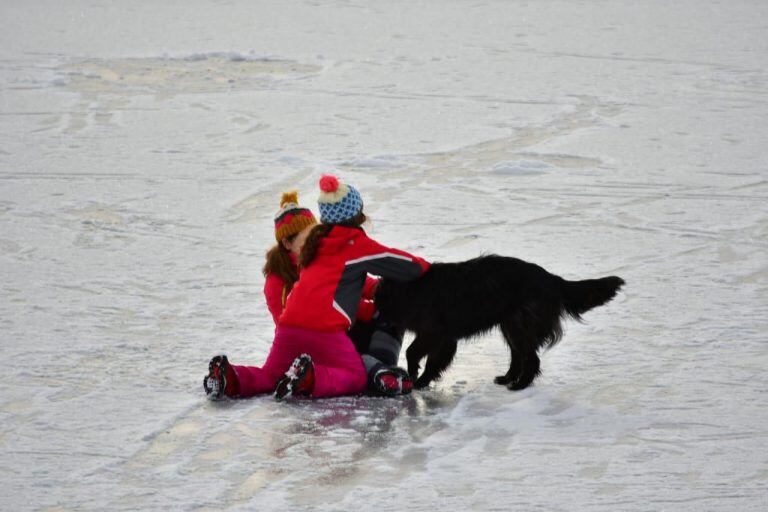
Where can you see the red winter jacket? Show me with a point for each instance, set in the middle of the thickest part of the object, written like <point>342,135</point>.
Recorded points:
<point>276,293</point>
<point>328,291</point>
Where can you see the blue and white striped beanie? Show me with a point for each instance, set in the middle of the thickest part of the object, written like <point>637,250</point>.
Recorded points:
<point>338,201</point>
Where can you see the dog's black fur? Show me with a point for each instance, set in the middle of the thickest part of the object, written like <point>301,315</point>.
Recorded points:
<point>459,300</point>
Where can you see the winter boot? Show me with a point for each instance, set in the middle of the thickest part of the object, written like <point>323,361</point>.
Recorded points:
<point>392,381</point>
<point>221,380</point>
<point>299,380</point>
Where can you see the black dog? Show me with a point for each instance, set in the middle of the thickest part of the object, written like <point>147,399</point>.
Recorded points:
<point>458,300</point>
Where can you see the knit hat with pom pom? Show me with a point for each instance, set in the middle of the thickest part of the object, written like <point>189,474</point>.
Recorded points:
<point>291,218</point>
<point>338,201</point>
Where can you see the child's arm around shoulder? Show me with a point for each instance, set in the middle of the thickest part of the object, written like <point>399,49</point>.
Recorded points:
<point>369,288</point>
<point>391,263</point>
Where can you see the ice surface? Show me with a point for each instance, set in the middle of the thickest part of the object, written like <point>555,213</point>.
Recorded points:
<point>143,149</point>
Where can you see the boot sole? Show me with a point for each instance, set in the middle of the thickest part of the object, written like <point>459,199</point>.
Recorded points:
<point>291,382</point>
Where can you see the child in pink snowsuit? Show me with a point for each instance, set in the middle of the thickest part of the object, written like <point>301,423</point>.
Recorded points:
<point>338,368</point>
<point>311,340</point>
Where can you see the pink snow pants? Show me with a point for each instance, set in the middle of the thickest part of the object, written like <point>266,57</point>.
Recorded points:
<point>339,369</point>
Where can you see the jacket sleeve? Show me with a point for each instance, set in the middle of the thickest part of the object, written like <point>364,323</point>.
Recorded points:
<point>365,310</point>
<point>369,288</point>
<point>275,293</point>
<point>392,263</point>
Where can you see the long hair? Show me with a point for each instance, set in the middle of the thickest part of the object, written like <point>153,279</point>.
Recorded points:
<point>279,263</point>
<point>311,244</point>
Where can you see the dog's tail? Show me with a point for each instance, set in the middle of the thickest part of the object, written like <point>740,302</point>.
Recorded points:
<point>581,296</point>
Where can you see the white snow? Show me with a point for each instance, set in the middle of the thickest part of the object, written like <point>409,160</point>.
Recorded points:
<point>143,149</point>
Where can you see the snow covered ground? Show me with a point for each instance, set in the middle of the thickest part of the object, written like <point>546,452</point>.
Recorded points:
<point>143,148</point>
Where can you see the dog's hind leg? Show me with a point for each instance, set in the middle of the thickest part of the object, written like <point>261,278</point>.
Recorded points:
<point>437,361</point>
<point>415,353</point>
<point>538,327</point>
<point>531,370</point>
<point>516,356</point>
<point>521,334</point>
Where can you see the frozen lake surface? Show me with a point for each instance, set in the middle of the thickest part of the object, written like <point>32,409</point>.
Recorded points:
<point>143,149</point>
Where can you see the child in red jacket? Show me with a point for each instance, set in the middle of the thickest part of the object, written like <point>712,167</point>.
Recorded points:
<point>281,269</point>
<point>311,331</point>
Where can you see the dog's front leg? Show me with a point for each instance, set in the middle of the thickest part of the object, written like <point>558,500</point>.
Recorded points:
<point>415,353</point>
<point>438,360</point>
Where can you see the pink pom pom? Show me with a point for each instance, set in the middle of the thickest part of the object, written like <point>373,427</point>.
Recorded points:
<point>329,183</point>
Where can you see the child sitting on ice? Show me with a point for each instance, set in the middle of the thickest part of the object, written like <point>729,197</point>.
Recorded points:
<point>281,269</point>
<point>311,331</point>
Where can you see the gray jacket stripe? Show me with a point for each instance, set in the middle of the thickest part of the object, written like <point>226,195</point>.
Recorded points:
<point>341,310</point>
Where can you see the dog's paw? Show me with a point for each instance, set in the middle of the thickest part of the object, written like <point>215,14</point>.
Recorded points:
<point>517,385</point>
<point>502,380</point>
<point>421,383</point>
